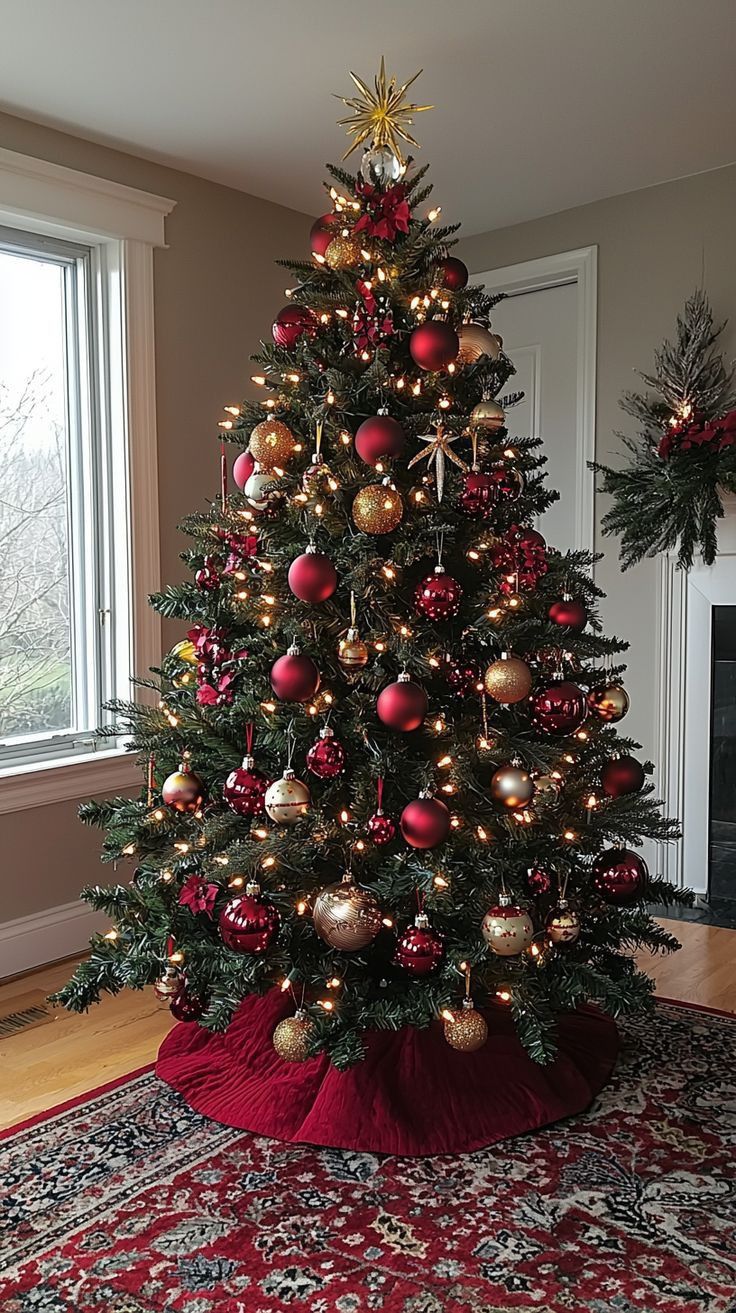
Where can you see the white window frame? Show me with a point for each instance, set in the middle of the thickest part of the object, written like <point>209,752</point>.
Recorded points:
<point>121,226</point>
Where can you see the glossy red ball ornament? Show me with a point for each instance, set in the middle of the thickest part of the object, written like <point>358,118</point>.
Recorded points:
<point>244,789</point>
<point>531,541</point>
<point>402,705</point>
<point>326,758</point>
<point>438,596</point>
<point>247,923</point>
<point>477,495</point>
<point>290,323</point>
<point>381,828</point>
<point>464,677</point>
<point>243,467</point>
<point>312,577</point>
<point>425,822</point>
<point>379,438</point>
<point>560,707</point>
<point>183,791</point>
<point>452,273</point>
<point>508,485</point>
<point>569,614</point>
<point>622,775</point>
<point>322,232</point>
<point>434,345</point>
<point>294,677</point>
<point>538,881</point>
<point>419,949</point>
<point>619,876</point>
<point>185,1006</point>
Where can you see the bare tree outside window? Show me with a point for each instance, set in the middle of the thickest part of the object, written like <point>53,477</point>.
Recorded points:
<point>36,683</point>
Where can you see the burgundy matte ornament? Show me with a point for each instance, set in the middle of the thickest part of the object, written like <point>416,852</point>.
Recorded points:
<point>243,467</point>
<point>538,881</point>
<point>419,949</point>
<point>379,438</point>
<point>619,876</point>
<point>185,1006</point>
<point>294,677</point>
<point>183,791</point>
<point>452,273</point>
<point>312,577</point>
<point>477,495</point>
<point>560,708</point>
<point>322,232</point>
<point>464,677</point>
<point>244,789</point>
<point>380,828</point>
<point>434,345</point>
<point>438,596</point>
<point>326,757</point>
<point>290,323</point>
<point>247,924</point>
<point>622,775</point>
<point>425,822</point>
<point>402,705</point>
<point>508,484</point>
<point>569,614</point>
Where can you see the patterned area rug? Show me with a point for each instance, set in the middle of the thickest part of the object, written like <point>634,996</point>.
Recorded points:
<point>129,1202</point>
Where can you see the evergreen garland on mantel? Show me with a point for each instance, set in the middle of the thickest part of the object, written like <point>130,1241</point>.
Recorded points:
<point>669,495</point>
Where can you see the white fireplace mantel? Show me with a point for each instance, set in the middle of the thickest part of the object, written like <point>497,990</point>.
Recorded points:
<point>686,601</point>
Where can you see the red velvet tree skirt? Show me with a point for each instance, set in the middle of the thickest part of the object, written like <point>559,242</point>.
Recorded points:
<point>412,1095</point>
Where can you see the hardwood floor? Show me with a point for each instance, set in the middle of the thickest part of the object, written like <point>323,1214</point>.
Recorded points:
<point>64,1054</point>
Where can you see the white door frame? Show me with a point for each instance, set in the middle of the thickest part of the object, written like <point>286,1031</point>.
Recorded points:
<point>580,268</point>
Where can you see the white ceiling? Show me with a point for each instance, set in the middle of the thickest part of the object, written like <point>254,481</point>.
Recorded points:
<point>540,104</point>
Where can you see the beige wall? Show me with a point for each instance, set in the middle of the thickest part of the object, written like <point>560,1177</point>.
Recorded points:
<point>216,290</point>
<point>654,246</point>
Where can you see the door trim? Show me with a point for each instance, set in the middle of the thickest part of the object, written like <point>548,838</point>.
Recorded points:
<point>581,268</point>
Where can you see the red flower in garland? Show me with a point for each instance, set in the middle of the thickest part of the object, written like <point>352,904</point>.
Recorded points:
<point>240,546</point>
<point>716,433</point>
<point>198,895</point>
<point>373,320</point>
<point>385,213</point>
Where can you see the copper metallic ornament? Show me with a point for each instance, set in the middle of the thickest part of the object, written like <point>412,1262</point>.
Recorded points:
<point>291,1037</point>
<point>477,341</point>
<point>346,915</point>
<point>508,680</point>
<point>352,652</point>
<point>512,785</point>
<point>271,443</point>
<point>183,791</point>
<point>467,1030</point>
<point>378,508</point>
<point>507,929</point>
<point>488,415</point>
<point>610,703</point>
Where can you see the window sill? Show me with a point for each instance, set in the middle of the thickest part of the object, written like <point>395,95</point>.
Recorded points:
<point>71,778</point>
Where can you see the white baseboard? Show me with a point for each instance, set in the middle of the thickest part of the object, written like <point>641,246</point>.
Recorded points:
<point>32,941</point>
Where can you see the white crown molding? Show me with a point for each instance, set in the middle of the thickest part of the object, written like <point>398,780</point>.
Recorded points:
<point>26,787</point>
<point>51,198</point>
<point>57,932</point>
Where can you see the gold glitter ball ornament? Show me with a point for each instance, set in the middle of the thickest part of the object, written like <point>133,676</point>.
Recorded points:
<point>508,680</point>
<point>563,924</point>
<point>291,1038</point>
<point>378,508</point>
<point>487,415</point>
<point>185,651</point>
<point>343,252</point>
<point>465,1029</point>
<point>476,341</point>
<point>271,443</point>
<point>346,916</point>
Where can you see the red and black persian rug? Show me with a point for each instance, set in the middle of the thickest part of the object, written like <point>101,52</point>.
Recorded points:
<point>130,1202</point>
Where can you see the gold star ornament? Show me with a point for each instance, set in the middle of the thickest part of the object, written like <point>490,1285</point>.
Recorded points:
<point>437,452</point>
<point>383,113</point>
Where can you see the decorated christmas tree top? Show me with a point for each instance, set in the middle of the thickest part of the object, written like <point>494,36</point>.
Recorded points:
<point>384,774</point>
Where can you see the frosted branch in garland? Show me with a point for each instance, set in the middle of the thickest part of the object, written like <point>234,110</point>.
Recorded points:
<point>668,496</point>
<point>385,770</point>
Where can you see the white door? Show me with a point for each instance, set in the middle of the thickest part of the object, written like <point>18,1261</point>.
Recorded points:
<point>548,321</point>
<point>540,334</point>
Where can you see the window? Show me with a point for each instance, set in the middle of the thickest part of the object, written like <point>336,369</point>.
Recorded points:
<point>78,497</point>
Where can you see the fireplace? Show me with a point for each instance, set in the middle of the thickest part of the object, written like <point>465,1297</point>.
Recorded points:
<point>722,809</point>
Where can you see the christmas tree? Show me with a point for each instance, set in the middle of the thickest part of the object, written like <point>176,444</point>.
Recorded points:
<point>383,773</point>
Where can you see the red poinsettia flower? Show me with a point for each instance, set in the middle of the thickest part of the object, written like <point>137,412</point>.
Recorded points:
<point>385,214</point>
<point>198,895</point>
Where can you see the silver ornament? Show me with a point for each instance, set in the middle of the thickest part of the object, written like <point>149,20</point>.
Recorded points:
<point>379,167</point>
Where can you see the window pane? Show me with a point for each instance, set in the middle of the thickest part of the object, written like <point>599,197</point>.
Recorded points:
<point>36,685</point>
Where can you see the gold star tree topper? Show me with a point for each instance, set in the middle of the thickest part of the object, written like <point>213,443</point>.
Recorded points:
<point>383,114</point>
